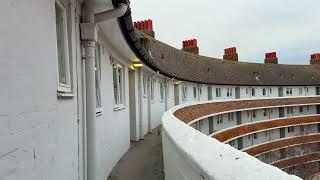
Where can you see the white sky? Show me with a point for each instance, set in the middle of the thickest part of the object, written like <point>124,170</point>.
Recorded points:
<point>290,27</point>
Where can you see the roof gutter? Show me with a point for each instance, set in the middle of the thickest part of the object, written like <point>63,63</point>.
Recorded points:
<point>110,14</point>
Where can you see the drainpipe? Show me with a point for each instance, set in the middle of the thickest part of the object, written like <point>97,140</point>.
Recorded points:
<point>89,38</point>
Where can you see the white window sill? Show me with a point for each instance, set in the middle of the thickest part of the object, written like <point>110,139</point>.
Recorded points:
<point>65,95</point>
<point>118,108</point>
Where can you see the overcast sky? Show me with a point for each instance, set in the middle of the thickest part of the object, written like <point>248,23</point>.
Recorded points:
<point>290,27</point>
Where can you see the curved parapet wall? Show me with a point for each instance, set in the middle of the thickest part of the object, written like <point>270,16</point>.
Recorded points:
<point>189,154</point>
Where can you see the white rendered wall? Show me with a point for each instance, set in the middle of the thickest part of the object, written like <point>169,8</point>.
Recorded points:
<point>38,130</point>
<point>113,126</point>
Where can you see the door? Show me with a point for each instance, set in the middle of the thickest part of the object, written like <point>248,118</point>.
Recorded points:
<point>209,93</point>
<point>280,91</point>
<point>237,92</point>
<point>281,112</point>
<point>238,115</point>
<point>176,94</point>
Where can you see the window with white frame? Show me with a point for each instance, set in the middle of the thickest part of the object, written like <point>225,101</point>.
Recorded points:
<point>270,91</point>
<point>195,92</point>
<point>247,90</point>
<point>289,110</point>
<point>307,108</point>
<point>266,133</point>
<point>161,91</point>
<point>289,91</point>
<point>64,74</point>
<point>230,117</point>
<point>218,92</point>
<point>184,92</point>
<point>229,92</point>
<point>98,76</point>
<point>248,114</point>
<point>152,83</point>
<point>300,91</point>
<point>232,143</point>
<point>118,85</point>
<point>145,84</point>
<point>219,119</point>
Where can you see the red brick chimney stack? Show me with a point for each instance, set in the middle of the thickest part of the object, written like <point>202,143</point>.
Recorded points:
<point>230,54</point>
<point>315,58</point>
<point>271,58</point>
<point>145,26</point>
<point>191,46</point>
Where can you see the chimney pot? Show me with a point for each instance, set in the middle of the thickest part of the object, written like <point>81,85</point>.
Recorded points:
<point>145,26</point>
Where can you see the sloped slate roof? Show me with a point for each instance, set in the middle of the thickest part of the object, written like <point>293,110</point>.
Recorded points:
<point>182,65</point>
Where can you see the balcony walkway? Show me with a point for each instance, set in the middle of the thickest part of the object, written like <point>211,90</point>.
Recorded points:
<point>143,161</point>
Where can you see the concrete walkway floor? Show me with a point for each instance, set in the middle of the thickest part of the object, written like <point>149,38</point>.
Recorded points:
<point>143,161</point>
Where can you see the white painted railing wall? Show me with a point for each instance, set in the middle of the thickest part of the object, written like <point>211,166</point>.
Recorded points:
<point>191,155</point>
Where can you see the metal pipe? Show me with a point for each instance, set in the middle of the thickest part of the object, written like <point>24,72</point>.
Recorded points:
<point>109,14</point>
<point>89,48</point>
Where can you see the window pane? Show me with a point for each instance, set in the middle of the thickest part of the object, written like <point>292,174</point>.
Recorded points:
<point>61,44</point>
<point>98,79</point>
<point>115,84</point>
<point>120,79</point>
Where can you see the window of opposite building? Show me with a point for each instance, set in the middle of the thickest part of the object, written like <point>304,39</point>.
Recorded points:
<point>254,113</point>
<point>64,72</point>
<point>264,112</point>
<point>291,129</point>
<point>301,109</point>
<point>300,91</point>
<point>264,92</point>
<point>118,85</point>
<point>98,77</point>
<point>289,91</point>
<point>230,117</point>
<point>253,92</point>
<point>229,92</point>
<point>218,92</point>
<point>289,110</point>
<point>220,119</point>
